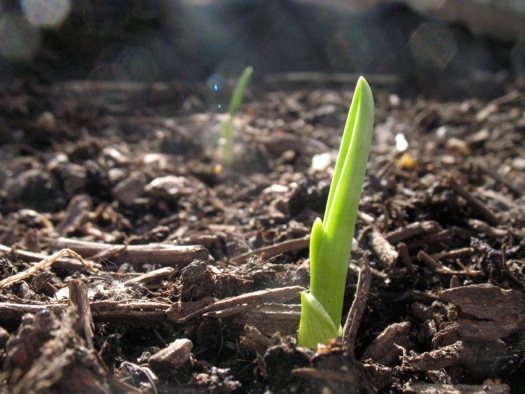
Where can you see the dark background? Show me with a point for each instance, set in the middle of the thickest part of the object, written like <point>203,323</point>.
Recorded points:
<point>438,52</point>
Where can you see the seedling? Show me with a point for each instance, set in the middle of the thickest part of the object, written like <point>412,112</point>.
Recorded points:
<point>226,141</point>
<point>331,239</point>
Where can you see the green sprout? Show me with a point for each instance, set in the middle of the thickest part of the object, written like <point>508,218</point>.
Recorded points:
<point>331,239</point>
<point>226,141</point>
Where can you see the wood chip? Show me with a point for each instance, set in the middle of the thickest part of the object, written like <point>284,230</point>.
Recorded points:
<point>486,301</point>
<point>386,348</point>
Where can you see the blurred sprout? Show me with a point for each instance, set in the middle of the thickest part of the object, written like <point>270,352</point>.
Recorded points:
<point>226,141</point>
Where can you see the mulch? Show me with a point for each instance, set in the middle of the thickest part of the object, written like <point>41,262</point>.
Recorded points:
<point>131,260</point>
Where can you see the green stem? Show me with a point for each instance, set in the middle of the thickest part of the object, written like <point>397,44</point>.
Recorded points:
<point>331,240</point>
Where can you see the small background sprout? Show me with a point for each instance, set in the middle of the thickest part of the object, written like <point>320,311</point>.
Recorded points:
<point>226,142</point>
<point>331,239</point>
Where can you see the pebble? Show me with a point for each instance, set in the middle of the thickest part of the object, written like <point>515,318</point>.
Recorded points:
<point>169,186</point>
<point>129,189</point>
<point>279,142</point>
<point>175,355</point>
<point>35,189</point>
<point>518,164</point>
<point>46,122</point>
<point>457,146</point>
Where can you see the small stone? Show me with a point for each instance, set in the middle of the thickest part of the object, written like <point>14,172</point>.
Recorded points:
<point>46,122</point>
<point>35,189</point>
<point>457,146</point>
<point>518,164</point>
<point>72,177</point>
<point>174,356</point>
<point>279,142</point>
<point>169,186</point>
<point>321,162</point>
<point>479,138</point>
<point>129,189</point>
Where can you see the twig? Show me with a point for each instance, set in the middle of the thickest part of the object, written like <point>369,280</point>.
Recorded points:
<point>62,263</point>
<point>136,313</point>
<point>255,298</point>
<point>440,236</point>
<point>430,262</point>
<point>151,277</point>
<point>452,254</point>
<point>384,250</point>
<point>358,306</point>
<point>474,202</point>
<point>132,312</point>
<point>413,230</point>
<point>274,250</point>
<point>78,297</point>
<point>515,189</point>
<point>472,274</point>
<point>405,257</point>
<point>44,264</point>
<point>163,254</point>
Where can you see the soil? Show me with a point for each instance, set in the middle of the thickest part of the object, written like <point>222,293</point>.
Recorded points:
<point>133,261</point>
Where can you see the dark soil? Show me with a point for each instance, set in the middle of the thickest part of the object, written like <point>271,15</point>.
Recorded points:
<point>190,272</point>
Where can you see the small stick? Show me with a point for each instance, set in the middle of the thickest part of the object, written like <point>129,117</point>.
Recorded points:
<point>163,254</point>
<point>10,311</point>
<point>62,263</point>
<point>383,249</point>
<point>257,297</point>
<point>148,278</point>
<point>443,235</point>
<point>472,274</point>
<point>44,264</point>
<point>267,252</point>
<point>133,312</point>
<point>78,297</point>
<point>515,189</point>
<point>452,254</point>
<point>430,262</point>
<point>413,230</point>
<point>405,257</point>
<point>358,306</point>
<point>130,312</point>
<point>474,202</point>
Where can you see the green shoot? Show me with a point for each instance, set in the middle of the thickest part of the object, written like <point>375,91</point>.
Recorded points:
<point>331,239</point>
<point>226,141</point>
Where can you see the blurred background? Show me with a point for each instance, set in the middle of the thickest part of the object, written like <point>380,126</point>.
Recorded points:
<point>451,48</point>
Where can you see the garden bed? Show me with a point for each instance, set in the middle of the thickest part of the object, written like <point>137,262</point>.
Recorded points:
<point>162,271</point>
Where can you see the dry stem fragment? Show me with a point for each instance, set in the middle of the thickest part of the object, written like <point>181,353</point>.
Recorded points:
<point>384,250</point>
<point>45,264</point>
<point>358,306</point>
<point>255,298</point>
